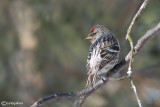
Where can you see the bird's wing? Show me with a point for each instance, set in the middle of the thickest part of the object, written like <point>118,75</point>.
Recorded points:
<point>108,48</point>
<point>108,54</point>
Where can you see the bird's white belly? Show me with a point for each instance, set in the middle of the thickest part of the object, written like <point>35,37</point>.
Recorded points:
<point>95,59</point>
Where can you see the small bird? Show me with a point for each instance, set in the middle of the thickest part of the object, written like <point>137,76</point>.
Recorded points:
<point>103,53</point>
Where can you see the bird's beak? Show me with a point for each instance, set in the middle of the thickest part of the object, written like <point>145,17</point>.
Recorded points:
<point>89,37</point>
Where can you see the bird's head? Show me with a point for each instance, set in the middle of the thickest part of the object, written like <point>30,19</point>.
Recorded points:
<point>96,32</point>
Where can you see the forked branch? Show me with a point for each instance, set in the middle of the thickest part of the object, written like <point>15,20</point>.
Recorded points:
<point>128,36</point>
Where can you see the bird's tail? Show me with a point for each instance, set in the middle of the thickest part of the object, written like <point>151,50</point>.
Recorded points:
<point>91,79</point>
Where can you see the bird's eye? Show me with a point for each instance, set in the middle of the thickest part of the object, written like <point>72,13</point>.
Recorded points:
<point>95,33</point>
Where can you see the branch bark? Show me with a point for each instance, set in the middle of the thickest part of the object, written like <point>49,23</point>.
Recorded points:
<point>86,92</point>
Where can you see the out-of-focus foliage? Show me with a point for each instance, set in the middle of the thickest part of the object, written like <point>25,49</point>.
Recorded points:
<point>43,51</point>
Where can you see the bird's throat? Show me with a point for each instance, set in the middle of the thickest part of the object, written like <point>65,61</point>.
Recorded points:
<point>93,40</point>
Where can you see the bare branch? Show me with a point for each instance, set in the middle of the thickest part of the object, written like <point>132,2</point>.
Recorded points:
<point>128,36</point>
<point>140,11</point>
<point>86,92</point>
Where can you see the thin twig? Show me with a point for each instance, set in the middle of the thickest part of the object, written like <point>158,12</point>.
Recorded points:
<point>140,11</point>
<point>135,92</point>
<point>129,72</point>
<point>122,78</point>
<point>149,34</point>
<point>133,87</point>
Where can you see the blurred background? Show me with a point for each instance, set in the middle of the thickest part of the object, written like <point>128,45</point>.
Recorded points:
<point>43,51</point>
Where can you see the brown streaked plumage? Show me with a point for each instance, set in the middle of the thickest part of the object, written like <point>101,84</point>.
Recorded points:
<point>103,53</point>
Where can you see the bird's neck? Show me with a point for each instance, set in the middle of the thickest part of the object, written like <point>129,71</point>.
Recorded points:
<point>94,40</point>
